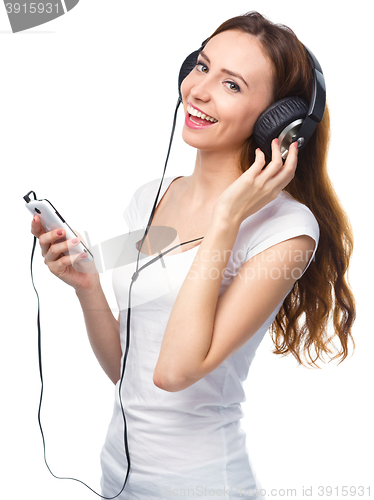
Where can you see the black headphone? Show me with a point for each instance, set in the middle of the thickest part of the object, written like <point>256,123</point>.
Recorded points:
<point>289,119</point>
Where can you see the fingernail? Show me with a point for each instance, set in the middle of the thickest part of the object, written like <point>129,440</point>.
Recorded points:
<point>276,141</point>
<point>75,241</point>
<point>60,232</point>
<point>83,256</point>
<point>296,145</point>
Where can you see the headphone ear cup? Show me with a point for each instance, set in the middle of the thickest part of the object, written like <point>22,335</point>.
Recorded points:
<point>276,119</point>
<point>186,68</point>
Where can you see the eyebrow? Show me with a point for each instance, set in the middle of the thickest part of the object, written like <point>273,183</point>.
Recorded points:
<point>204,56</point>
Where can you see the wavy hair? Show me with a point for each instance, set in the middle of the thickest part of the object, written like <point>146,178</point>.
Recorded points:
<point>322,297</point>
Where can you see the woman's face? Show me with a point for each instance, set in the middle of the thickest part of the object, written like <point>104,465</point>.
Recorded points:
<point>231,83</point>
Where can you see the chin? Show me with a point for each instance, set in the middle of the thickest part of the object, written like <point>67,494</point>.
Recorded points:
<point>196,143</point>
<point>208,144</point>
<point>198,139</point>
<point>189,139</point>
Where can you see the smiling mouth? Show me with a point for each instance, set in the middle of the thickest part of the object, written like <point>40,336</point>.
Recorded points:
<point>196,119</point>
<point>199,117</point>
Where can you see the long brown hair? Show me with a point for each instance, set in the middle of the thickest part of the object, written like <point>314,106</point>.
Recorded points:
<point>322,294</point>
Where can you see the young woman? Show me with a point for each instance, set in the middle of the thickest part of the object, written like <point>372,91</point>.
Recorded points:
<point>275,253</point>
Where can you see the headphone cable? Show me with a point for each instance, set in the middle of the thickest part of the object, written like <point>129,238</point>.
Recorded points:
<point>133,279</point>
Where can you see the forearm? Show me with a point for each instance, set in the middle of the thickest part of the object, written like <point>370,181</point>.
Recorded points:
<point>189,331</point>
<point>103,330</point>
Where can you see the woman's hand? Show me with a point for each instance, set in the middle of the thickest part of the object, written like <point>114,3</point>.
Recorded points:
<point>255,188</point>
<point>69,268</point>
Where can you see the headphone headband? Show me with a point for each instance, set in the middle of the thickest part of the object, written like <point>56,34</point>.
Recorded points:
<point>317,103</point>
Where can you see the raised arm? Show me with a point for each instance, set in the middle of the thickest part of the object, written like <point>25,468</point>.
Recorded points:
<point>203,330</point>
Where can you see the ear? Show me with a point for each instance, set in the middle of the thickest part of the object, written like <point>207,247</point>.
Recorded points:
<point>282,119</point>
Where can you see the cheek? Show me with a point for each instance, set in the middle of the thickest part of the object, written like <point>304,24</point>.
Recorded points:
<point>251,115</point>
<point>244,124</point>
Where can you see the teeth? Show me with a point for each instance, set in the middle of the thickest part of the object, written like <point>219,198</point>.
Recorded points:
<point>199,114</point>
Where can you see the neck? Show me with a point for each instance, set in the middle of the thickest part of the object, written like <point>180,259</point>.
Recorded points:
<point>214,172</point>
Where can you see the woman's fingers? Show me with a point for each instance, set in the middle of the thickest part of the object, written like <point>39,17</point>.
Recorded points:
<point>276,164</point>
<point>258,164</point>
<point>74,268</point>
<point>48,239</point>
<point>36,227</point>
<point>293,151</point>
<point>56,249</point>
<point>273,167</point>
<point>58,267</point>
<point>281,173</point>
<point>290,164</point>
<point>276,156</point>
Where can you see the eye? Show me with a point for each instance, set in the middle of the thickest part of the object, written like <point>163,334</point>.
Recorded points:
<point>200,66</point>
<point>234,87</point>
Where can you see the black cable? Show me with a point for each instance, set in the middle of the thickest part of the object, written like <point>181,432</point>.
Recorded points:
<point>42,387</point>
<point>162,179</point>
<point>133,279</point>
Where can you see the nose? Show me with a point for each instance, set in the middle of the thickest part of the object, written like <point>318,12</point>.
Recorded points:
<point>201,90</point>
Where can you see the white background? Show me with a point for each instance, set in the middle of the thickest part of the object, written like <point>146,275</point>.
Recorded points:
<point>86,110</point>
